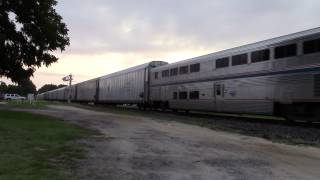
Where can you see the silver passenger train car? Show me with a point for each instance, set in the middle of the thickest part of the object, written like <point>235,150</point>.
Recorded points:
<point>130,86</point>
<point>280,76</point>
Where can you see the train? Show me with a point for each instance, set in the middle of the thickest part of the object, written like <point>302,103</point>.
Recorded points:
<point>278,77</point>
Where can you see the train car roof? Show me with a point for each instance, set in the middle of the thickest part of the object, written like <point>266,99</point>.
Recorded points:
<point>132,69</point>
<point>59,89</point>
<point>135,68</point>
<point>264,43</point>
<point>53,90</point>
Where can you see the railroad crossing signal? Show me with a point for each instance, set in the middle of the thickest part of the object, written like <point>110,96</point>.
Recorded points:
<point>68,78</point>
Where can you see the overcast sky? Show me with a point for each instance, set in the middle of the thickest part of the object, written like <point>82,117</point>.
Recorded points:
<point>110,35</point>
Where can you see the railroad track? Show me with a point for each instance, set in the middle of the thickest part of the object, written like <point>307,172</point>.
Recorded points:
<point>245,118</point>
<point>214,117</point>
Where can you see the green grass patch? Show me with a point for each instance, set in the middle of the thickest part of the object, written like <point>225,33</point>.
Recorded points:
<point>37,147</point>
<point>27,104</point>
<point>38,104</point>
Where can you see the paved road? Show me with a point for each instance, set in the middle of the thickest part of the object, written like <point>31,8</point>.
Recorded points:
<point>141,148</point>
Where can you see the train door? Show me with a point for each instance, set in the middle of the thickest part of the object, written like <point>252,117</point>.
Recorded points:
<point>218,96</point>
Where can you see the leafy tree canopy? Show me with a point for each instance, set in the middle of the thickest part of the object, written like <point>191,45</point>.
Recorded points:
<point>3,87</point>
<point>62,85</point>
<point>30,31</point>
<point>49,87</point>
<point>27,87</point>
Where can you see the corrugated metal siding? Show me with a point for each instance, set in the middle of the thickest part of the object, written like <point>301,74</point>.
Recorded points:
<point>125,87</point>
<point>86,91</point>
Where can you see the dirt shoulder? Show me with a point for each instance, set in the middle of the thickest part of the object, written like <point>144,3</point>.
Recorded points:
<point>270,128</point>
<point>136,147</point>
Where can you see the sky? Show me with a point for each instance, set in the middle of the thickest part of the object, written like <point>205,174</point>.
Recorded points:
<point>110,35</point>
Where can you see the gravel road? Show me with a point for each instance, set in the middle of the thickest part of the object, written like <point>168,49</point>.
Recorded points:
<point>141,148</point>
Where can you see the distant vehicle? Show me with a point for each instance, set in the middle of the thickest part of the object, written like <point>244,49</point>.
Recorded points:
<point>13,97</point>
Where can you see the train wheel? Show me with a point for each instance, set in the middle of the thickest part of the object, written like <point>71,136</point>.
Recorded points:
<point>316,115</point>
<point>304,113</point>
<point>288,113</point>
<point>164,106</point>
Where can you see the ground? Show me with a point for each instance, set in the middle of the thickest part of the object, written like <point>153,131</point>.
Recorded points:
<point>38,147</point>
<point>144,148</point>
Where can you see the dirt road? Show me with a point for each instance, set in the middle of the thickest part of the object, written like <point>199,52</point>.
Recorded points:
<point>141,148</point>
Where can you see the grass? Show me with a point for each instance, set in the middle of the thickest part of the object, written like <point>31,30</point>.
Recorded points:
<point>38,104</point>
<point>27,104</point>
<point>37,147</point>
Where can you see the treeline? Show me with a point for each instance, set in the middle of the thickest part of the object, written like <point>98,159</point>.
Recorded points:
<point>49,87</point>
<point>26,87</point>
<point>23,88</point>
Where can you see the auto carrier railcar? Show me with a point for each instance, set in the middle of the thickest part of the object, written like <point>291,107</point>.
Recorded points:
<point>280,76</point>
<point>130,86</point>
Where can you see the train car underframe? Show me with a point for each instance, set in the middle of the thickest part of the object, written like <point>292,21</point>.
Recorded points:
<point>299,111</point>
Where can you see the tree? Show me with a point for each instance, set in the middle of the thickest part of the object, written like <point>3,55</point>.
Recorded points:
<point>3,87</point>
<point>26,87</point>
<point>47,87</point>
<point>62,85</point>
<point>30,31</point>
<point>12,89</point>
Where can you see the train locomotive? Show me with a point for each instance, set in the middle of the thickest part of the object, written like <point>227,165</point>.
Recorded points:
<point>279,76</point>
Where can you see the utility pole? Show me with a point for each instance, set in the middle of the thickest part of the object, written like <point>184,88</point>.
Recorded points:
<point>69,78</point>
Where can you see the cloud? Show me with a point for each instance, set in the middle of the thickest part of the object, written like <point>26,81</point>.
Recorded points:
<point>111,35</point>
<point>60,75</point>
<point>41,78</point>
<point>101,26</point>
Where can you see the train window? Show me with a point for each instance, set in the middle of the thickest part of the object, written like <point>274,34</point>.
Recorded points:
<point>261,55</point>
<point>184,70</point>
<point>285,51</point>
<point>174,72</point>
<point>239,59</point>
<point>194,95</point>
<point>175,95</point>
<point>156,75</point>
<point>183,95</point>
<point>222,62</point>
<point>165,73</point>
<point>311,46</point>
<point>195,67</point>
